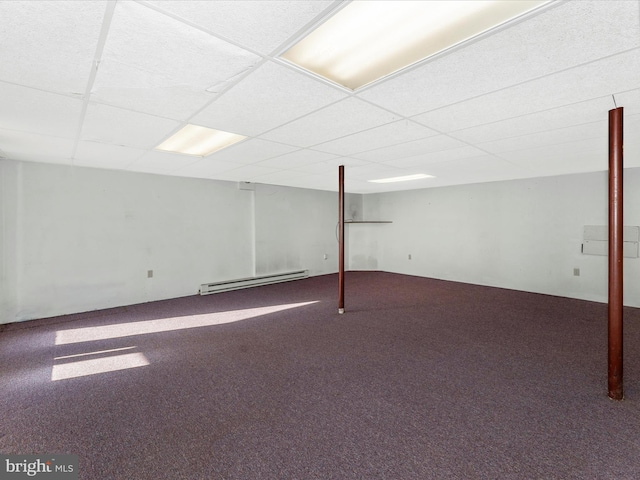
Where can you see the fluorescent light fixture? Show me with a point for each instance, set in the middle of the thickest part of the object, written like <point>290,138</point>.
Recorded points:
<point>368,40</point>
<point>200,141</point>
<point>405,178</point>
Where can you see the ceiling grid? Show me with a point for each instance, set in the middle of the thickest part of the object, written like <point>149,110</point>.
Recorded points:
<point>102,83</point>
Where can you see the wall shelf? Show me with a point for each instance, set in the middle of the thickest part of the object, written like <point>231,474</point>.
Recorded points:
<point>368,221</point>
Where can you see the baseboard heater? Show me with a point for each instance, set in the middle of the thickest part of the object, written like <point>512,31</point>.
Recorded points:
<point>217,287</point>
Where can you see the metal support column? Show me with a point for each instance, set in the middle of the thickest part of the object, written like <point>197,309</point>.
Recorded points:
<point>615,255</point>
<point>341,239</point>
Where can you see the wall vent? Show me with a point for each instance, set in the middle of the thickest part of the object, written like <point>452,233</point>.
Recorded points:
<point>217,287</point>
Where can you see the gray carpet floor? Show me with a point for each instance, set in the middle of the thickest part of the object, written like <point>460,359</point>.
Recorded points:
<point>419,379</point>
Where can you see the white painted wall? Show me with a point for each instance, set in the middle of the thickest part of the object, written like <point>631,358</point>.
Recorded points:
<point>523,235</point>
<point>8,251</point>
<point>85,238</point>
<point>296,227</point>
<point>77,239</point>
<point>364,238</point>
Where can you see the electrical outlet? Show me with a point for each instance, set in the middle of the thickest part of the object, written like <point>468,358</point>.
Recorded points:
<point>576,272</point>
<point>326,256</point>
<point>409,256</point>
<point>149,273</point>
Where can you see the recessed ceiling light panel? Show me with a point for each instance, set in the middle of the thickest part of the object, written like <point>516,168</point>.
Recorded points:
<point>200,141</point>
<point>404,178</point>
<point>368,40</point>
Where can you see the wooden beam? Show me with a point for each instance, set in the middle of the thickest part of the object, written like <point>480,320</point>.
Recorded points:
<point>615,383</point>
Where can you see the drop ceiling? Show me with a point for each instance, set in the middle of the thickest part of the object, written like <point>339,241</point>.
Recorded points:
<point>102,83</point>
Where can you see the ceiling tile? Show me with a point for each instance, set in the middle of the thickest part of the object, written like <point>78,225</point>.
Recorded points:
<point>156,64</point>
<point>256,24</point>
<point>361,187</point>
<point>270,96</point>
<point>280,177</point>
<point>570,157</point>
<point>358,185</point>
<point>555,118</point>
<point>588,131</point>
<point>375,171</point>
<point>330,167</point>
<point>32,147</point>
<point>569,34</point>
<point>630,101</point>
<point>121,85</point>
<point>436,157</point>
<point>335,121</point>
<point>530,99</point>
<point>318,182</point>
<point>320,168</point>
<point>36,111</point>
<point>409,149</point>
<point>346,161</point>
<point>486,168</point>
<point>252,150</point>
<point>386,135</point>
<point>204,168</point>
<point>598,79</point>
<point>105,124</point>
<point>297,159</point>
<point>105,155</point>
<point>630,124</point>
<point>155,161</point>
<point>245,173</point>
<point>468,167</point>
<point>49,45</point>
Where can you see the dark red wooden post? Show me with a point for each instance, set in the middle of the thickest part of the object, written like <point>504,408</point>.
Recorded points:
<point>616,391</point>
<point>341,239</point>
